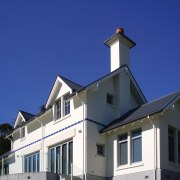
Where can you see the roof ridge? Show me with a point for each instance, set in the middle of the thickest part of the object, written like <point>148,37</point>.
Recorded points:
<point>26,112</point>
<point>69,80</point>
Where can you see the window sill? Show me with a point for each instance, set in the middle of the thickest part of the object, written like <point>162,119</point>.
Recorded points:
<point>128,166</point>
<point>61,119</point>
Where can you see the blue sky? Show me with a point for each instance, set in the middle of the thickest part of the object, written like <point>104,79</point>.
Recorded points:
<point>41,39</point>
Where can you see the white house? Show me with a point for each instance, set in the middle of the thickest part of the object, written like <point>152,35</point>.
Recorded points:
<point>105,130</point>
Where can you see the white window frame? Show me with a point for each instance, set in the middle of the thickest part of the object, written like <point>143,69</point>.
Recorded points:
<point>129,141</point>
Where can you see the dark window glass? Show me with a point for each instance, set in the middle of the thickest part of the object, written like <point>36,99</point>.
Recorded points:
<point>38,162</point>
<point>67,107</point>
<point>30,164</point>
<point>109,99</point>
<point>53,160</point>
<point>58,109</point>
<point>34,163</point>
<point>70,157</point>
<point>171,144</point>
<point>64,159</point>
<point>123,149</point>
<point>136,146</point>
<point>100,149</point>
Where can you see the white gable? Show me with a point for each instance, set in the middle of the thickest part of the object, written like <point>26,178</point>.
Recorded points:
<point>59,89</point>
<point>19,119</point>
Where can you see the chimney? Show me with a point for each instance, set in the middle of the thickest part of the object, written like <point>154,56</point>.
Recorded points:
<point>119,49</point>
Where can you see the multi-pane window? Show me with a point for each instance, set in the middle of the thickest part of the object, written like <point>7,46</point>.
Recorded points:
<point>136,146</point>
<point>58,109</point>
<point>62,107</point>
<point>61,158</point>
<point>66,107</point>
<point>109,99</point>
<point>130,144</point>
<point>123,149</point>
<point>100,149</point>
<point>171,143</point>
<point>22,132</point>
<point>31,163</point>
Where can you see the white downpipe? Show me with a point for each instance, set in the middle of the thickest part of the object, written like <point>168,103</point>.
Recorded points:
<point>42,145</point>
<point>84,138</point>
<point>155,146</point>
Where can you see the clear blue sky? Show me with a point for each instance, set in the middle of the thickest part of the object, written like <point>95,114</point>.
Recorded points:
<point>40,39</point>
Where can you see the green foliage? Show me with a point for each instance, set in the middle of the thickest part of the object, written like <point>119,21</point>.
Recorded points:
<point>5,144</point>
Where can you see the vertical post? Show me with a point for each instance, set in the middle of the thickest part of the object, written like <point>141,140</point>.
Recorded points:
<point>2,167</point>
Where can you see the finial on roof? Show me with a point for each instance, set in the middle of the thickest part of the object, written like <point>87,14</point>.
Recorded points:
<point>120,30</point>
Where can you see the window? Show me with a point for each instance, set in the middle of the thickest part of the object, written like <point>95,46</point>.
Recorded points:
<point>171,144</point>
<point>31,163</point>
<point>66,107</point>
<point>123,149</point>
<point>22,132</point>
<point>110,99</point>
<point>58,109</point>
<point>130,143</point>
<point>62,107</point>
<point>61,158</point>
<point>136,146</point>
<point>100,149</point>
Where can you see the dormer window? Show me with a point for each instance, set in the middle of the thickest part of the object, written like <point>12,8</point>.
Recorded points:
<point>62,107</point>
<point>22,132</point>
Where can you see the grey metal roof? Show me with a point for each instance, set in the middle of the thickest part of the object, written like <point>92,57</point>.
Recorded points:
<point>143,111</point>
<point>74,86</point>
<point>27,115</point>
